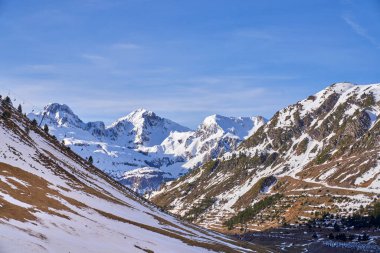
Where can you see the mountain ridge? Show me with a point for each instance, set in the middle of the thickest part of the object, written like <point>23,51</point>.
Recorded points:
<point>143,142</point>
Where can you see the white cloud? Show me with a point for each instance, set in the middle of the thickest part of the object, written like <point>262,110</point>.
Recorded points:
<point>361,31</point>
<point>93,57</point>
<point>97,60</point>
<point>256,34</point>
<point>38,68</point>
<point>126,46</point>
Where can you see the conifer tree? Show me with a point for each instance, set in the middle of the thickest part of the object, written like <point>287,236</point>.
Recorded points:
<point>34,122</point>
<point>46,129</point>
<point>7,100</point>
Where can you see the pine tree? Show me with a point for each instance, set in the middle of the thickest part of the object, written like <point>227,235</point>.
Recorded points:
<point>90,160</point>
<point>46,129</point>
<point>7,101</point>
<point>34,122</point>
<point>19,108</point>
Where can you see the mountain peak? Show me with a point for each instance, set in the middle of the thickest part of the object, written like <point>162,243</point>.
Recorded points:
<point>224,121</point>
<point>146,127</point>
<point>239,126</point>
<point>341,87</point>
<point>136,116</point>
<point>212,119</point>
<point>142,110</point>
<point>57,114</point>
<point>141,113</point>
<point>56,107</point>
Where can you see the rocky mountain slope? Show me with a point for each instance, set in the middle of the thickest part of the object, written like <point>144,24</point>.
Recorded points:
<point>316,156</point>
<point>52,200</point>
<point>143,150</point>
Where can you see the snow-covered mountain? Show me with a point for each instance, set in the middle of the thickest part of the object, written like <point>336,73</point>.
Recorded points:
<point>215,136</point>
<point>143,150</point>
<point>318,155</point>
<point>139,128</point>
<point>52,200</point>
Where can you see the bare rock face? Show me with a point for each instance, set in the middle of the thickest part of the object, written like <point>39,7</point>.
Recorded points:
<point>321,152</point>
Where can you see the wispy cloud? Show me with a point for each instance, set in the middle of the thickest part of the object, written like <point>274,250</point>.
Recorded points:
<point>101,4</point>
<point>180,101</point>
<point>39,68</point>
<point>126,46</point>
<point>93,57</point>
<point>255,34</point>
<point>97,59</point>
<point>358,29</point>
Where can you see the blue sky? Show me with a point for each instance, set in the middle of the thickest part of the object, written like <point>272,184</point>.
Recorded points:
<point>183,59</point>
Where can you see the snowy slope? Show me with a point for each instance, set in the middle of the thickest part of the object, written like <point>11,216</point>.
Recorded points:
<point>143,150</point>
<point>51,200</point>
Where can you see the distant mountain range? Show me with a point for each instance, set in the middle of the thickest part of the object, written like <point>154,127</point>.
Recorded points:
<point>319,155</point>
<point>143,150</point>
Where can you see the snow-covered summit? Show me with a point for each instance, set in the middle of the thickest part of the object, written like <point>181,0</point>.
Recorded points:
<point>148,128</point>
<point>241,127</point>
<point>59,115</point>
<point>340,87</point>
<point>137,117</point>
